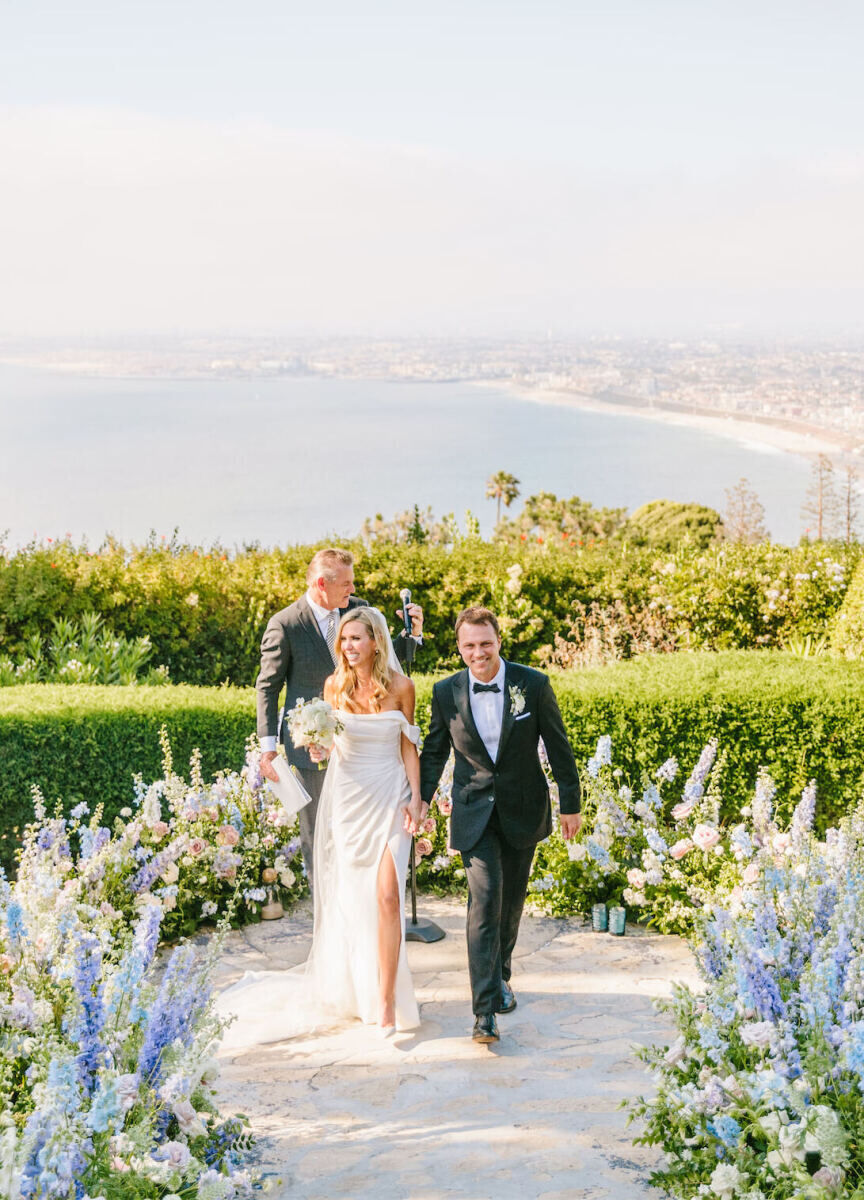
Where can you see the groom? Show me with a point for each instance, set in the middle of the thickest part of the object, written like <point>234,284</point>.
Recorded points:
<point>492,715</point>
<point>297,655</point>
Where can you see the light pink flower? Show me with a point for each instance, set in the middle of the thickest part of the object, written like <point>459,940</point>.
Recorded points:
<point>197,846</point>
<point>424,847</point>
<point>430,825</point>
<point>781,842</point>
<point>682,847</point>
<point>682,810</point>
<point>227,836</point>
<point>750,873</point>
<point>445,807</point>
<point>636,878</point>
<point>159,829</point>
<point>706,836</point>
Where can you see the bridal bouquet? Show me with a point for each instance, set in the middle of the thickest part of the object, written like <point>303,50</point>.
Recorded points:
<point>313,723</point>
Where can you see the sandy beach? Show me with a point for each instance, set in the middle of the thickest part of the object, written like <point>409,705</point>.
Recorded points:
<point>751,433</point>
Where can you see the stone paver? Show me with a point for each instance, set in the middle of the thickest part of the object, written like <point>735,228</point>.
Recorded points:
<point>430,1115</point>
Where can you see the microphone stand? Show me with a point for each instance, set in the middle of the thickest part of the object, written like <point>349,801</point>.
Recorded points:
<point>418,929</point>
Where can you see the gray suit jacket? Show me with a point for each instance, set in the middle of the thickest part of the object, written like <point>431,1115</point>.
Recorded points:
<point>294,656</point>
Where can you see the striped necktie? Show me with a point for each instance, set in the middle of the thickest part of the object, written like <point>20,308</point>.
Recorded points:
<point>330,636</point>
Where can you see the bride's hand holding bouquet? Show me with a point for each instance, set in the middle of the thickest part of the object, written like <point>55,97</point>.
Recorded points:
<point>314,725</point>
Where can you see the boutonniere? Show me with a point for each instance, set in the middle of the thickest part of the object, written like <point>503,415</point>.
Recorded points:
<point>517,699</point>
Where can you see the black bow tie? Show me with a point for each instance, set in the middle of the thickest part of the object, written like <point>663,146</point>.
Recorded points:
<point>485,687</point>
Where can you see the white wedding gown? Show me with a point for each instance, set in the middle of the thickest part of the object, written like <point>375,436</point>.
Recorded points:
<point>359,820</point>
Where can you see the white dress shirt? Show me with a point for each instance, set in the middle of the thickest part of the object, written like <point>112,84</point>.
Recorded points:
<point>322,617</point>
<point>487,709</point>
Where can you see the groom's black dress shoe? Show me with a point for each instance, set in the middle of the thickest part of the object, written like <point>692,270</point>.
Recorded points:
<point>485,1028</point>
<point>508,1000</point>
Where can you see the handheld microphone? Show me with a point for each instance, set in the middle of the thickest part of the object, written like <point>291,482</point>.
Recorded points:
<point>405,597</point>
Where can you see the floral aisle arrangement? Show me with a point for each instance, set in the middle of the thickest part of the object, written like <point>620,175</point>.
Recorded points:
<point>106,1057</point>
<point>660,855</point>
<point>196,844</point>
<point>761,1097</point>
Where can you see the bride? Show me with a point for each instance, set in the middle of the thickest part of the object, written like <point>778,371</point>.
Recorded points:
<point>370,806</point>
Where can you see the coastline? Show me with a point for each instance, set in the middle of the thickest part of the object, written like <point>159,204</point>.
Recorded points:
<point>755,434</point>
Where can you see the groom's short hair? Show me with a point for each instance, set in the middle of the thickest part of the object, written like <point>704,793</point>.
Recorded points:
<point>327,562</point>
<point>477,615</point>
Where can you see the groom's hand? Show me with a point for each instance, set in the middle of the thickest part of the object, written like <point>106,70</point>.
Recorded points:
<point>267,770</point>
<point>571,823</point>
<point>415,612</point>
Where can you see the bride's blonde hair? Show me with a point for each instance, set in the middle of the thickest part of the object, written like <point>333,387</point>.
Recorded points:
<point>345,677</point>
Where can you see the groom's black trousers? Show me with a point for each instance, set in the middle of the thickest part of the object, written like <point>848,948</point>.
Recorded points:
<point>498,875</point>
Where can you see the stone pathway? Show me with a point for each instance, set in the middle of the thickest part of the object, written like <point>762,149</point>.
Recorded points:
<point>429,1114</point>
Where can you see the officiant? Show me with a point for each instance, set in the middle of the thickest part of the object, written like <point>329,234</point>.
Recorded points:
<point>297,656</point>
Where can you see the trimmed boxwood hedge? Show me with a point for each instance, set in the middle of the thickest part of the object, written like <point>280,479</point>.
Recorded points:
<point>800,718</point>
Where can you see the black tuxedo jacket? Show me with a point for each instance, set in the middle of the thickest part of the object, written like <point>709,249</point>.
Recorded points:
<point>514,784</point>
<point>295,656</point>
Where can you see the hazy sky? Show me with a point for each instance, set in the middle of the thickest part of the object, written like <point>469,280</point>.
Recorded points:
<point>362,166</point>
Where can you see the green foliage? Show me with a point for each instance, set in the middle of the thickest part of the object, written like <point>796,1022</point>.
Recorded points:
<point>85,651</point>
<point>204,611</point>
<point>846,632</point>
<point>546,518</point>
<point>668,524</point>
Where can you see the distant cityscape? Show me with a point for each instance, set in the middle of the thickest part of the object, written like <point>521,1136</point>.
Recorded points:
<point>813,388</point>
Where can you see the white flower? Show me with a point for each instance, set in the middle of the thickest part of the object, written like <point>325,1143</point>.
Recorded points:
<point>677,1052</point>
<point>171,873</point>
<point>757,1033</point>
<point>517,700</point>
<point>726,1179</point>
<point>577,851</point>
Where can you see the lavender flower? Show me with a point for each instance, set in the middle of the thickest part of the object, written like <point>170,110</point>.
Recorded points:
<point>695,785</point>
<point>668,771</point>
<point>602,756</point>
<point>805,810</point>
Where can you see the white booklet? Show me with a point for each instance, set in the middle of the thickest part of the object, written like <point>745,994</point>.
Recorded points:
<point>289,790</point>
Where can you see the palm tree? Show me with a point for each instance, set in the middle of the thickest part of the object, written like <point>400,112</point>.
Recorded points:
<point>503,487</point>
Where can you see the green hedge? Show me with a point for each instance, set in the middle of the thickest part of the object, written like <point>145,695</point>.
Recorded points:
<point>800,718</point>
<point>204,611</point>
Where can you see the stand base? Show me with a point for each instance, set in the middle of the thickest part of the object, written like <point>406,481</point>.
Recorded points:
<point>423,930</point>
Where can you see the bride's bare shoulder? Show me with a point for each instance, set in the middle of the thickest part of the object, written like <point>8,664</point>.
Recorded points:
<point>401,686</point>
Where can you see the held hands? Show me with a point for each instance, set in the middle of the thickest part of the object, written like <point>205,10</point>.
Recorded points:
<point>267,768</point>
<point>413,814</point>
<point>571,823</point>
<point>415,612</point>
<point>318,753</point>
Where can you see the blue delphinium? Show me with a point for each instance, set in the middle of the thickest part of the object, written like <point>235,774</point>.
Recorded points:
<point>182,996</point>
<point>125,985</point>
<point>85,1026</point>
<point>602,756</point>
<point>15,924</point>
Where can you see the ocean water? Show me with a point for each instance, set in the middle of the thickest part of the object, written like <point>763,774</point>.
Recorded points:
<point>285,460</point>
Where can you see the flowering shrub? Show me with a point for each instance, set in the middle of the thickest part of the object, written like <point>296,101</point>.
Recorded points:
<point>761,1096</point>
<point>84,652</point>
<point>106,1062</point>
<point>200,847</point>
<point>204,608</point>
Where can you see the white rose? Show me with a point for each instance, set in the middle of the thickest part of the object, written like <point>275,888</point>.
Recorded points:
<point>576,851</point>
<point>757,1033</point>
<point>188,1119</point>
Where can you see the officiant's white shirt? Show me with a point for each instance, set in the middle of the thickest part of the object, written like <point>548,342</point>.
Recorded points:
<point>487,709</point>
<point>322,615</point>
